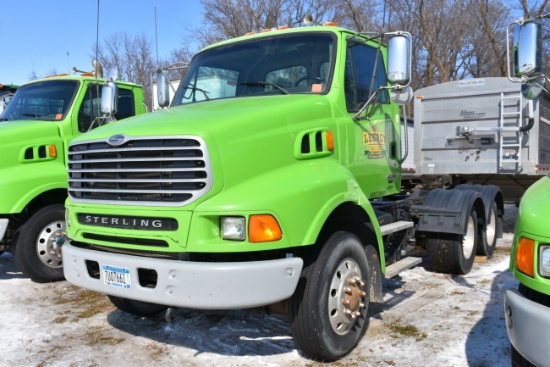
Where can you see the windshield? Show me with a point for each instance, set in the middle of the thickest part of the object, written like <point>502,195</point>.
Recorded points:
<point>48,100</point>
<point>266,66</point>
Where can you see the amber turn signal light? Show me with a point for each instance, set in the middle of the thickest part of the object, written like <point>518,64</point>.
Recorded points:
<point>330,141</point>
<point>53,151</point>
<point>525,256</point>
<point>263,228</point>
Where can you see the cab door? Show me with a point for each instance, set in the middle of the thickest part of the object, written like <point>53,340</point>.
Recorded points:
<point>373,137</point>
<point>89,115</point>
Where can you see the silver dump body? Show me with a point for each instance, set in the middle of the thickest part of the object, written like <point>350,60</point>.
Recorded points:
<point>481,131</point>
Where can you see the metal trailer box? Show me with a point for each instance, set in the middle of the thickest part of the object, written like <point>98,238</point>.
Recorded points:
<point>481,131</point>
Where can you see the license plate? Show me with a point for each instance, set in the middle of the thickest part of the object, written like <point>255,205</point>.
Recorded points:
<point>115,276</point>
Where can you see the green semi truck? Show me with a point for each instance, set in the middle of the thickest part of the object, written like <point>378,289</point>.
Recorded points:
<point>43,116</point>
<point>273,176</point>
<point>527,308</point>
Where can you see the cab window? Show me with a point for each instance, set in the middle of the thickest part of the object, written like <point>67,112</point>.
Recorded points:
<point>89,114</point>
<point>363,76</point>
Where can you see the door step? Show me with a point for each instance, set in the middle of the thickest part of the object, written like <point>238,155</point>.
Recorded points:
<point>395,227</point>
<point>403,264</point>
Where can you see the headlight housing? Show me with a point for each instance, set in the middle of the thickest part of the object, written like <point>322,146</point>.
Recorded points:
<point>544,260</point>
<point>233,228</point>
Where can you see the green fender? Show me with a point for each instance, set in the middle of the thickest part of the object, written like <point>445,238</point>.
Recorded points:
<point>300,196</point>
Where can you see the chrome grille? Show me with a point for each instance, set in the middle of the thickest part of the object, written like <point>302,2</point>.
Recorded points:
<point>166,171</point>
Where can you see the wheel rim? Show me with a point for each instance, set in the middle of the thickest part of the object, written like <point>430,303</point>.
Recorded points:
<point>492,227</point>
<point>49,242</point>
<point>469,240</point>
<point>345,299</point>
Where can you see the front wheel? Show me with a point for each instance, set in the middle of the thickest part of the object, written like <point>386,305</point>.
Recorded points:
<point>454,253</point>
<point>328,311</point>
<point>137,308</point>
<point>37,252</point>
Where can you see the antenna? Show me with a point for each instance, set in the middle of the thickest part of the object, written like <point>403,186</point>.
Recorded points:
<point>97,36</point>
<point>156,34</point>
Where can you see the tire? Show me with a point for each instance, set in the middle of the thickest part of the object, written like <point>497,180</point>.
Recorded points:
<point>487,246</point>
<point>454,253</point>
<point>37,252</point>
<point>323,326</point>
<point>137,308</point>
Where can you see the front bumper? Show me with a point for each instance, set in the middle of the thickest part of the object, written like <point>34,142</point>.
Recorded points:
<point>189,284</point>
<point>528,325</point>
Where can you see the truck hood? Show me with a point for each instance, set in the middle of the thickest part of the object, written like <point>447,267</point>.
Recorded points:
<point>217,116</point>
<point>246,138</point>
<point>14,132</point>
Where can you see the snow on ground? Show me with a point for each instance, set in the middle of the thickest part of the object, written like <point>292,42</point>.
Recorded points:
<point>426,319</point>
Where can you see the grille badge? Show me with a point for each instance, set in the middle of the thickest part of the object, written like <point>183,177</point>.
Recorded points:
<point>117,140</point>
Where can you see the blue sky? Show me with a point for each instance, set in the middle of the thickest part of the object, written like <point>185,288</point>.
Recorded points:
<point>47,35</point>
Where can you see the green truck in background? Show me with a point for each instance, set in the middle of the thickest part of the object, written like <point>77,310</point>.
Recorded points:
<point>527,309</point>
<point>275,175</point>
<point>43,116</point>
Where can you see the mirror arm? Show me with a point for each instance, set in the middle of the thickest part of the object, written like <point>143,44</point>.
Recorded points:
<point>357,116</point>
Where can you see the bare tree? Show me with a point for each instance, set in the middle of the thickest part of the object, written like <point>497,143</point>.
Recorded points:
<point>488,43</point>
<point>129,58</point>
<point>363,15</point>
<point>225,19</point>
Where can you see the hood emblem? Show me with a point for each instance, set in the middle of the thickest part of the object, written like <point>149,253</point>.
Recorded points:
<point>117,140</point>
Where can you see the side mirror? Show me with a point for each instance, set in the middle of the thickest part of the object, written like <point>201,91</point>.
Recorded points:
<point>534,88</point>
<point>399,59</point>
<point>109,98</point>
<point>527,60</point>
<point>163,89</point>
<point>402,96</point>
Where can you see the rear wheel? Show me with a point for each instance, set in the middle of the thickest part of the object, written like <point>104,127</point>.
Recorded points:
<point>137,308</point>
<point>37,252</point>
<point>487,247</point>
<point>328,311</point>
<point>454,253</point>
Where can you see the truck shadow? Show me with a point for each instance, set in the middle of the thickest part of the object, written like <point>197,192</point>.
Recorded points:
<point>8,269</point>
<point>252,332</point>
<point>487,341</point>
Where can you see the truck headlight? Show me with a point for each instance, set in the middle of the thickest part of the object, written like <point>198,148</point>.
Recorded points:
<point>544,260</point>
<point>233,228</point>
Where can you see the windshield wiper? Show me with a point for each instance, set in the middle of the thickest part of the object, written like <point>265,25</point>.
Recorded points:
<point>200,90</point>
<point>35,115</point>
<point>263,84</point>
